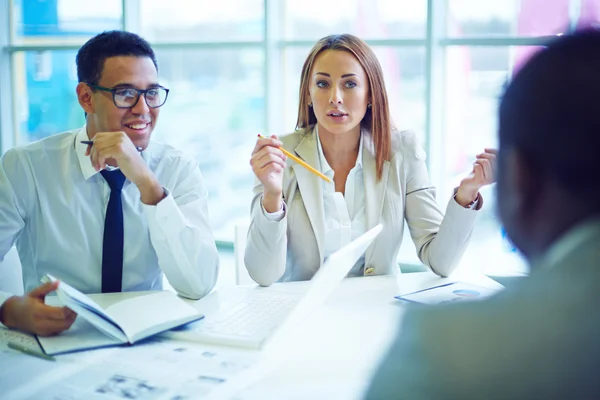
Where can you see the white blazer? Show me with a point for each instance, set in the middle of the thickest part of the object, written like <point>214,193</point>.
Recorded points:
<point>292,249</point>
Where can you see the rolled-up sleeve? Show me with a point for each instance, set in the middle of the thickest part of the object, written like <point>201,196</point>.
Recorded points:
<point>181,235</point>
<point>13,204</point>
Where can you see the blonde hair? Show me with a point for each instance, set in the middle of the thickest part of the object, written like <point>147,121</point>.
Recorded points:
<point>377,118</point>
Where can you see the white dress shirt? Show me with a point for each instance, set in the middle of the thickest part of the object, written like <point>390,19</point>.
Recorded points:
<point>345,216</point>
<point>53,204</point>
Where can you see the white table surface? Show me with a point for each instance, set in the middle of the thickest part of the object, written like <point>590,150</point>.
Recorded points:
<point>331,354</point>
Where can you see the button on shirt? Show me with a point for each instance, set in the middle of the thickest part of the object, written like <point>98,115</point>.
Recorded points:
<point>53,203</point>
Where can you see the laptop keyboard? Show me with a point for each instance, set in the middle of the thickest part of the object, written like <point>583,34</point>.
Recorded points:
<point>250,321</point>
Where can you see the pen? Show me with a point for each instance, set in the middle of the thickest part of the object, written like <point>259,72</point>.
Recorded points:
<point>301,162</point>
<point>31,352</point>
<point>91,143</point>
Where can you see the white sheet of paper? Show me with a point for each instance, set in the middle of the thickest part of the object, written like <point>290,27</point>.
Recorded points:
<point>88,309</point>
<point>18,368</point>
<point>155,368</point>
<point>449,293</point>
<point>80,336</point>
<point>148,313</point>
<point>20,338</point>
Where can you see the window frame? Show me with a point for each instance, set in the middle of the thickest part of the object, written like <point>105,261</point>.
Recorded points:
<point>435,42</point>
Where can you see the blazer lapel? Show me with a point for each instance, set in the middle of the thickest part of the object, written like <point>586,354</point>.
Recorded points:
<point>374,190</point>
<point>310,187</point>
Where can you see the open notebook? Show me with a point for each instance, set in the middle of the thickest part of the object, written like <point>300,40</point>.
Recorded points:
<point>135,317</point>
<point>250,316</point>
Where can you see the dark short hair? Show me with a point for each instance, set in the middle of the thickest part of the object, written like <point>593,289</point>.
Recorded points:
<point>92,55</point>
<point>550,112</point>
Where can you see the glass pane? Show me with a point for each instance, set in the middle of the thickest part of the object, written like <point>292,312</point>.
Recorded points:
<point>475,78</point>
<point>589,14</point>
<point>509,17</point>
<point>215,109</point>
<point>45,98</point>
<point>63,21</point>
<point>404,75</point>
<point>368,19</point>
<point>202,20</point>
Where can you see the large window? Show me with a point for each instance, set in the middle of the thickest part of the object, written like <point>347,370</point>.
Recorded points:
<point>369,19</point>
<point>201,21</point>
<point>215,109</point>
<point>55,22</point>
<point>44,86</point>
<point>509,18</point>
<point>233,67</point>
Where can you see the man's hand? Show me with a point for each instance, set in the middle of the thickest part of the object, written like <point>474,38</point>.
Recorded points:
<point>116,149</point>
<point>29,313</point>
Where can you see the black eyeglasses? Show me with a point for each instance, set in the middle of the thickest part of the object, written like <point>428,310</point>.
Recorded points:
<point>128,97</point>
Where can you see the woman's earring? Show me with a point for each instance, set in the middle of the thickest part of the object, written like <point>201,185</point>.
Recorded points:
<point>310,104</point>
<point>369,105</point>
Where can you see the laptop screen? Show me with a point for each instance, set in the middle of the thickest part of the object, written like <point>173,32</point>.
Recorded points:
<point>331,273</point>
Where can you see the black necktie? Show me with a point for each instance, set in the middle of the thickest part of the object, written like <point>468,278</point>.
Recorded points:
<point>112,248</point>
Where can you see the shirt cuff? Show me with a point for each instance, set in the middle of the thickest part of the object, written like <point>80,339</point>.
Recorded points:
<point>474,205</point>
<point>165,215</point>
<point>3,297</point>
<point>274,216</point>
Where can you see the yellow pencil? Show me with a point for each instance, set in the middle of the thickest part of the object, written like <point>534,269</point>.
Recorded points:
<point>301,162</point>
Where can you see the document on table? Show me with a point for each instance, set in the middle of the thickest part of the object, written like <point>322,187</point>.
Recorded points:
<point>17,369</point>
<point>20,338</point>
<point>449,293</point>
<point>157,368</point>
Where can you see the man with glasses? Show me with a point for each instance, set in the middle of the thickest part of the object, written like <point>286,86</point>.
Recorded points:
<point>102,207</point>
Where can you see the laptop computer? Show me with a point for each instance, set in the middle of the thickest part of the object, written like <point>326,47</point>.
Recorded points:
<point>249,316</point>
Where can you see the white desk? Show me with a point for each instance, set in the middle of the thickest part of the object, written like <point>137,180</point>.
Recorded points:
<point>331,355</point>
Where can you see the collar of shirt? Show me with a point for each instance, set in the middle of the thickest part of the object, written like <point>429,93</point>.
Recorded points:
<point>568,243</point>
<point>325,167</point>
<point>84,161</point>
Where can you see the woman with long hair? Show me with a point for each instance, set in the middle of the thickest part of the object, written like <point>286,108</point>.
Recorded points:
<point>378,175</point>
